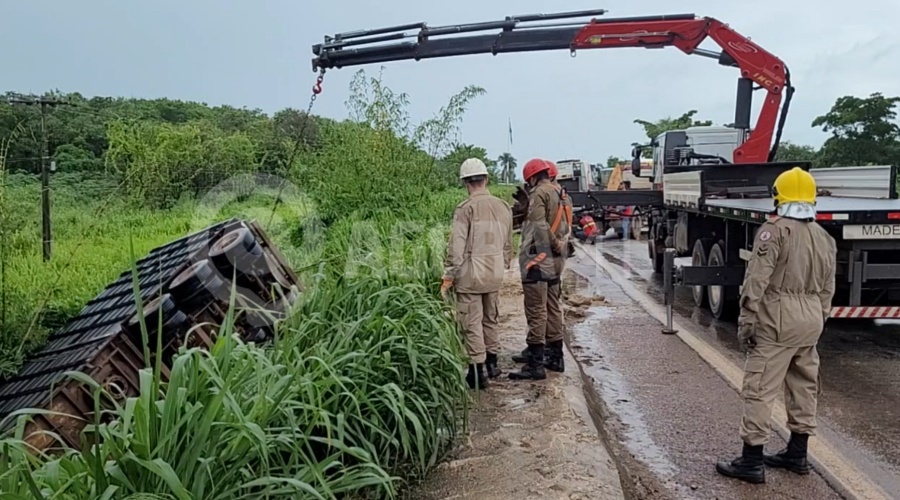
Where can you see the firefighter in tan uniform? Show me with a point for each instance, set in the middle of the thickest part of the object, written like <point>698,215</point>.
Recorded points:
<point>785,301</point>
<point>541,260</point>
<point>552,361</point>
<point>479,251</point>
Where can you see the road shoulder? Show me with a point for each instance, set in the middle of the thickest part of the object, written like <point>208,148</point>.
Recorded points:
<point>526,440</point>
<point>674,398</point>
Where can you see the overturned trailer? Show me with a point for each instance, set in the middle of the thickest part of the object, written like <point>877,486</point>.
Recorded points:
<point>187,285</point>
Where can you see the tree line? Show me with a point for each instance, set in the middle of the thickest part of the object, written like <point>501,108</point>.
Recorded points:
<point>863,131</point>
<point>163,149</point>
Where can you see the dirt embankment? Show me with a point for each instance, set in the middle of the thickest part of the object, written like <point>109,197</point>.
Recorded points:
<point>528,439</point>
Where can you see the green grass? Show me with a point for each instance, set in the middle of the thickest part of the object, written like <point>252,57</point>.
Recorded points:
<point>91,230</point>
<point>361,389</point>
<point>91,226</point>
<point>361,393</point>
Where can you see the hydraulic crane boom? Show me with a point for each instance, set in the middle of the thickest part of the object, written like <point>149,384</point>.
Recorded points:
<point>518,34</point>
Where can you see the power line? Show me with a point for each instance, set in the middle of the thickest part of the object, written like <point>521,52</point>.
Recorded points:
<point>44,103</point>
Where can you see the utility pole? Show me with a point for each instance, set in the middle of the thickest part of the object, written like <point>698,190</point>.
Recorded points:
<point>44,103</point>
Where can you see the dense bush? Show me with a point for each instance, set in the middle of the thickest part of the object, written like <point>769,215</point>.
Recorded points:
<point>362,390</point>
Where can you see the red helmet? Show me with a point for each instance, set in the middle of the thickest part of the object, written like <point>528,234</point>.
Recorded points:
<point>533,167</point>
<point>552,171</point>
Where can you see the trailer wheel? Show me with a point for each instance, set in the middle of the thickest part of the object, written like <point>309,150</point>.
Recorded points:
<point>721,300</point>
<point>699,258</point>
<point>637,224</point>
<point>655,255</point>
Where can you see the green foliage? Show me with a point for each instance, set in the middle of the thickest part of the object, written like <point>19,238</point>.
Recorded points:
<point>379,162</point>
<point>613,161</point>
<point>448,166</point>
<point>788,151</point>
<point>438,135</point>
<point>361,392</point>
<point>654,129</point>
<point>90,226</point>
<point>161,162</point>
<point>80,128</point>
<point>863,131</point>
<point>362,386</point>
<point>507,165</point>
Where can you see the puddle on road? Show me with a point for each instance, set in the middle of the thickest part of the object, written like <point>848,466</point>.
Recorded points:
<point>859,373</point>
<point>635,275</point>
<point>612,388</point>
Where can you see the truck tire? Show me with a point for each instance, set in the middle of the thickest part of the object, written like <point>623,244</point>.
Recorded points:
<point>637,225</point>
<point>699,258</point>
<point>722,303</point>
<point>656,257</point>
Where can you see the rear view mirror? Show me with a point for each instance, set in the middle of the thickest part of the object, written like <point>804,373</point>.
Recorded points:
<point>636,166</point>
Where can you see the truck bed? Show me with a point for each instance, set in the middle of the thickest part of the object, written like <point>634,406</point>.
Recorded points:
<point>856,195</point>
<point>824,204</point>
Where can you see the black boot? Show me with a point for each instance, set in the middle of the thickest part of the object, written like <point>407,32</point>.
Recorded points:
<point>475,378</point>
<point>522,357</point>
<point>553,360</point>
<point>792,458</point>
<point>493,371</point>
<point>534,367</point>
<point>747,467</point>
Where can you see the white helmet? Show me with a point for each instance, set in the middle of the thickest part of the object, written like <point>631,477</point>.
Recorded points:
<point>471,168</point>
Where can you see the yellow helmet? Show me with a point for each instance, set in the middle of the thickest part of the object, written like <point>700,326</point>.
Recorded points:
<point>795,184</point>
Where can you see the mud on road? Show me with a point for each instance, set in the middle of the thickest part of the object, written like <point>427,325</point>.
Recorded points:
<point>640,415</point>
<point>859,369</point>
<point>527,440</point>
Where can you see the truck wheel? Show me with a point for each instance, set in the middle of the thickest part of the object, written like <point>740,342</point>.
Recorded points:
<point>721,299</point>
<point>655,255</point>
<point>637,224</point>
<point>699,258</point>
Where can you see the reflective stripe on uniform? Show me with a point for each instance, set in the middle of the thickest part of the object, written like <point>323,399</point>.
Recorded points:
<point>536,260</point>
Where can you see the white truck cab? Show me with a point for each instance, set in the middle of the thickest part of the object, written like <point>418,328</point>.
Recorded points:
<point>574,175</point>
<point>691,146</point>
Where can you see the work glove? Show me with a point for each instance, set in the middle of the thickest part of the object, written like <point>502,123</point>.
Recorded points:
<point>445,289</point>
<point>746,337</point>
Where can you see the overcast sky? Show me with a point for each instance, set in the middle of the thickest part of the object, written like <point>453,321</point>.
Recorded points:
<point>257,54</point>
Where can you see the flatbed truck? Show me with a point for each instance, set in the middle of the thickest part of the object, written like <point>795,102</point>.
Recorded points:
<point>711,186</point>
<point>712,215</point>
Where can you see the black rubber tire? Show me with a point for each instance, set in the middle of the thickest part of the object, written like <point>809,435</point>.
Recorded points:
<point>699,257</point>
<point>151,310</point>
<point>174,322</point>
<point>178,320</point>
<point>658,258</point>
<point>236,249</point>
<point>722,303</point>
<point>192,282</point>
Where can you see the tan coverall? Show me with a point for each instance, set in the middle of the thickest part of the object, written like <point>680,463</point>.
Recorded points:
<point>479,250</point>
<point>541,261</point>
<point>785,300</point>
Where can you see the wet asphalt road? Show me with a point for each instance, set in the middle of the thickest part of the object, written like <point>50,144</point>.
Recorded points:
<point>677,415</point>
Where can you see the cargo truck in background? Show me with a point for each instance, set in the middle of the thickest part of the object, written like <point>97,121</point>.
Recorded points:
<point>711,186</point>
<point>574,175</point>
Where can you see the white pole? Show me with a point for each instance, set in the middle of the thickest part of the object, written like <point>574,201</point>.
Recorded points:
<point>509,176</point>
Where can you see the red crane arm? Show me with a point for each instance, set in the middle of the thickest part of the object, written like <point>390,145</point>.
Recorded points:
<point>755,63</point>
<point>684,31</point>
